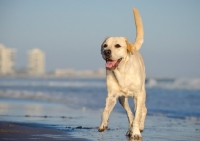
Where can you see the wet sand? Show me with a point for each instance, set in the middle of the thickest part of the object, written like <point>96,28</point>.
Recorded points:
<point>157,128</point>
<point>30,132</point>
<point>25,120</point>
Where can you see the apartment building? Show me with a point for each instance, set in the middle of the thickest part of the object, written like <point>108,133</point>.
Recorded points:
<point>7,62</point>
<point>36,62</point>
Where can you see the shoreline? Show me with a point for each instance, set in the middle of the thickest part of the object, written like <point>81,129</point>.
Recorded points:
<point>157,128</point>
<point>32,131</point>
<point>60,122</point>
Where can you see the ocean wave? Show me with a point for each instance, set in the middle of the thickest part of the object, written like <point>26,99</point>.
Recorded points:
<point>38,95</point>
<point>58,97</point>
<point>185,84</point>
<point>165,83</point>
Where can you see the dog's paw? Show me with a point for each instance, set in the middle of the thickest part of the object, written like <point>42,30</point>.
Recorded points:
<point>102,128</point>
<point>129,133</point>
<point>132,136</point>
<point>137,136</point>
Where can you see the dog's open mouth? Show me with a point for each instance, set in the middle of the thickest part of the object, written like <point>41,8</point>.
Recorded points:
<point>111,65</point>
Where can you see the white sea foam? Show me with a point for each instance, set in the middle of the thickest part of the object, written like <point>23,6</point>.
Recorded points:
<point>185,84</point>
<point>38,95</point>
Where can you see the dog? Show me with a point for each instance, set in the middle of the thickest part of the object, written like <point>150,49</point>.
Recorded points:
<point>125,77</point>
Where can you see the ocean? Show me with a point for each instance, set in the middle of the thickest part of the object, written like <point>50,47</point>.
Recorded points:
<point>170,97</point>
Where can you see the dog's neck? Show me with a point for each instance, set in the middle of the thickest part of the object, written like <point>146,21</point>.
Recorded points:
<point>122,66</point>
<point>120,71</point>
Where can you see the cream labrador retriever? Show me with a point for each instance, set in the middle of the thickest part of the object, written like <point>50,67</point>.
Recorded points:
<point>125,77</point>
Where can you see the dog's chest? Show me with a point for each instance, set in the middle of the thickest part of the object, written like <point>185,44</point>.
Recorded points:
<point>127,82</point>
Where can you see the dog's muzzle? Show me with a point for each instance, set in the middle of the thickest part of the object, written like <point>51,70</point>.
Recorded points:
<point>107,53</point>
<point>112,64</point>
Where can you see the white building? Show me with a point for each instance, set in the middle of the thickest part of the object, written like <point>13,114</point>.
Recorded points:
<point>7,61</point>
<point>36,62</point>
<point>64,72</point>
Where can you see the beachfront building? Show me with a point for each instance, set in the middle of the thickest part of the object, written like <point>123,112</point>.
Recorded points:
<point>100,73</point>
<point>7,61</point>
<point>64,72</point>
<point>36,62</point>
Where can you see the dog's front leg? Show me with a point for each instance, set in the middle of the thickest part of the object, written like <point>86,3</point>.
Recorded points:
<point>110,103</point>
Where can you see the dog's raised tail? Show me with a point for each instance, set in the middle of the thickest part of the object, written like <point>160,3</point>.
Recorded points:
<point>139,30</point>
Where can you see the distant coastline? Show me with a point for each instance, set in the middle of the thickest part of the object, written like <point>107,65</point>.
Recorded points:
<point>59,73</point>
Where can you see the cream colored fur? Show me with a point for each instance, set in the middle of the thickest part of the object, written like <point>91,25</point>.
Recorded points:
<point>126,80</point>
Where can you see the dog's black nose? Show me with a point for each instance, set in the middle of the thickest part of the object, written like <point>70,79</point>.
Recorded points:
<point>107,52</point>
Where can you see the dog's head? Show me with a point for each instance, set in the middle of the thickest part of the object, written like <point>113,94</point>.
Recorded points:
<point>114,50</point>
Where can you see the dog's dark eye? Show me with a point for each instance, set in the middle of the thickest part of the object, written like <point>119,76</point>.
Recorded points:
<point>105,45</point>
<point>117,46</point>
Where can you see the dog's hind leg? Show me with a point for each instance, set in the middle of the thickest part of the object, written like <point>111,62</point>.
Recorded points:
<point>138,106</point>
<point>144,112</point>
<point>143,116</point>
<point>124,102</point>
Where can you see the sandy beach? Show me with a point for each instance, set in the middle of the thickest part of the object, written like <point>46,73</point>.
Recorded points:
<point>75,125</point>
<point>28,131</point>
<point>157,128</point>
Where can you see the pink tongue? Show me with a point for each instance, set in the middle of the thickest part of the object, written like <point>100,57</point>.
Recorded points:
<point>110,64</point>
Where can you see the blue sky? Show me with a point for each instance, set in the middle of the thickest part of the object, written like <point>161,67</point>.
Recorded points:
<point>71,32</point>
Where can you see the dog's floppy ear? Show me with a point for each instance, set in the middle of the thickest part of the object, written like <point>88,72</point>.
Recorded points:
<point>130,46</point>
